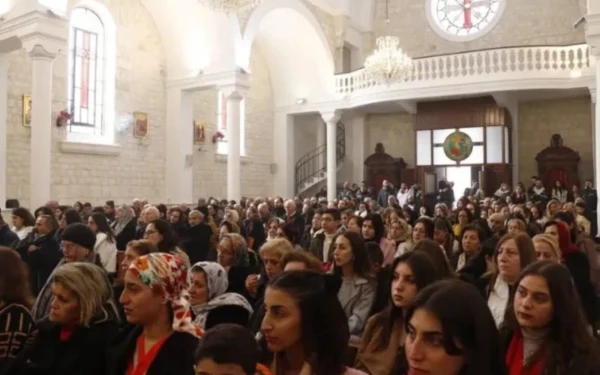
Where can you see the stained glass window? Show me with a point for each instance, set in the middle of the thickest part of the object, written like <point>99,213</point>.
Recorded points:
<point>86,73</point>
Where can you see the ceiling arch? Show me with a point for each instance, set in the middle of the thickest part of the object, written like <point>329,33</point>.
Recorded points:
<point>298,54</point>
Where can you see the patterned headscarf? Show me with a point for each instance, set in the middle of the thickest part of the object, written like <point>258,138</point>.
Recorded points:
<point>168,275</point>
<point>126,214</point>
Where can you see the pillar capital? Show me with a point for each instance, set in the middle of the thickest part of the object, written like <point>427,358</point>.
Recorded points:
<point>234,91</point>
<point>331,117</point>
<point>39,52</point>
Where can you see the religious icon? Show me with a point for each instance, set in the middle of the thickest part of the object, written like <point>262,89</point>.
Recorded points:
<point>199,131</point>
<point>140,130</point>
<point>26,111</point>
<point>458,146</point>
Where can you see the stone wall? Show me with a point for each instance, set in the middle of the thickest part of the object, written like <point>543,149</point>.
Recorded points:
<point>532,22</point>
<point>538,120</point>
<point>210,169</point>
<point>395,131</point>
<point>139,87</point>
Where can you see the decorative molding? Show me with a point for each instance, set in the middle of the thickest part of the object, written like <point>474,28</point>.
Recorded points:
<point>235,78</point>
<point>222,158</point>
<point>70,147</point>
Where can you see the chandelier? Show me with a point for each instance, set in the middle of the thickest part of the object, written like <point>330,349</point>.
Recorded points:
<point>388,63</point>
<point>231,6</point>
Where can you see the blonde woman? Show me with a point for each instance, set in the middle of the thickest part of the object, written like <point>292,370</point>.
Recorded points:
<point>81,324</point>
<point>546,248</point>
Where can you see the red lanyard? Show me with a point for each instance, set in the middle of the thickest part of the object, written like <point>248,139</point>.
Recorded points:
<point>144,358</point>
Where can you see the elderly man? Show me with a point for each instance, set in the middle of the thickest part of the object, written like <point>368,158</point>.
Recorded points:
<point>293,219</point>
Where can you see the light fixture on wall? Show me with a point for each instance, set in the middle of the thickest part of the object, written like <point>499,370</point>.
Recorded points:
<point>123,123</point>
<point>388,64</point>
<point>231,6</point>
<point>301,101</point>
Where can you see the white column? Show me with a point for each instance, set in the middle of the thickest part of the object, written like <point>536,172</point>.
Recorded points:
<point>3,126</point>
<point>596,132</point>
<point>321,140</point>
<point>179,168</point>
<point>359,140</point>
<point>331,119</point>
<point>41,126</point>
<point>283,155</point>
<point>234,184</point>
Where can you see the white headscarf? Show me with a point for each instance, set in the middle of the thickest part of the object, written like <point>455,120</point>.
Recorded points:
<point>216,278</point>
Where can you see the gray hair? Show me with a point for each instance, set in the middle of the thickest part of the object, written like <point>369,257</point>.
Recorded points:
<point>91,287</point>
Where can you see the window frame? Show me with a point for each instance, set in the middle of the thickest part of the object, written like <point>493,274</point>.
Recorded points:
<point>222,146</point>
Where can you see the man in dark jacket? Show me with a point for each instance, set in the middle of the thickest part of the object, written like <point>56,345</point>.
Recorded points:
<point>294,219</point>
<point>323,244</point>
<point>195,240</point>
<point>7,236</point>
<point>40,251</point>
<point>386,191</point>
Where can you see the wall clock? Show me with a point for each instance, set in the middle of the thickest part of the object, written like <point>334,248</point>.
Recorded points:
<point>464,20</point>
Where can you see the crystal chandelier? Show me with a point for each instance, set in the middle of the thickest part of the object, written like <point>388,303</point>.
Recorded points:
<point>231,6</point>
<point>388,63</point>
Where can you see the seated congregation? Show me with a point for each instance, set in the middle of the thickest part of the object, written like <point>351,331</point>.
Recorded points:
<point>268,286</point>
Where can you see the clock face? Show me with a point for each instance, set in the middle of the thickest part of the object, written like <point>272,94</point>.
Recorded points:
<point>464,20</point>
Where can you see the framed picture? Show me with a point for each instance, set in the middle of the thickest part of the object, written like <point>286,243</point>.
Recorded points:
<point>140,129</point>
<point>199,132</point>
<point>26,111</point>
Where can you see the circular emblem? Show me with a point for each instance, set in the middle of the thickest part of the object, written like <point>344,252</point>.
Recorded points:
<point>458,146</point>
<point>464,20</point>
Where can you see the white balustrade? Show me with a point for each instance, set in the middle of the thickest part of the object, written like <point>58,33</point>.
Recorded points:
<point>545,59</point>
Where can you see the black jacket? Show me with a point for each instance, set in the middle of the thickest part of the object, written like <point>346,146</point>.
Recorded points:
<point>41,262</point>
<point>84,353</point>
<point>256,230</point>
<point>195,241</point>
<point>297,222</point>
<point>127,234</point>
<point>7,236</point>
<point>176,356</point>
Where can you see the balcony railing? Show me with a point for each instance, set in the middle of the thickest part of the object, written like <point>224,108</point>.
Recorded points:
<point>547,59</point>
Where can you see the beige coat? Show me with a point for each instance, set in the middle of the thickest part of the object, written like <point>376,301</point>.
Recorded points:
<point>370,358</point>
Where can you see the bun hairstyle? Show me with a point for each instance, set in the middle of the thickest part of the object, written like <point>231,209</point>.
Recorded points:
<point>324,325</point>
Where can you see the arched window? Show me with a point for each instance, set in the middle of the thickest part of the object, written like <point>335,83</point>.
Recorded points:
<point>91,77</point>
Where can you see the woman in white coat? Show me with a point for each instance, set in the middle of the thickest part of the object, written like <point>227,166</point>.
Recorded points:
<point>106,244</point>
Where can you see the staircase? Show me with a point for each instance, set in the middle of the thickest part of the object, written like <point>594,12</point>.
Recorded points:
<point>311,169</point>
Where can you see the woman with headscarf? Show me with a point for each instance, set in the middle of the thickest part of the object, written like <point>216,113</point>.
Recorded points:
<point>163,337</point>
<point>124,226</point>
<point>211,304</point>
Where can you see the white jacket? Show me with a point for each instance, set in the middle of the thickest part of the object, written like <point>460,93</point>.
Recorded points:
<point>107,251</point>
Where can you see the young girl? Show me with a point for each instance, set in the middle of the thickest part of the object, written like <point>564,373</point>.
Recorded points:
<point>357,292</point>
<point>545,329</point>
<point>382,347</point>
<point>304,331</point>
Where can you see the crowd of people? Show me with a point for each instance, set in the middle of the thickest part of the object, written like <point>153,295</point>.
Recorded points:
<point>379,284</point>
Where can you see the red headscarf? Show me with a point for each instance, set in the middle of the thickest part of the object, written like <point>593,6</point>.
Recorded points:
<point>564,240</point>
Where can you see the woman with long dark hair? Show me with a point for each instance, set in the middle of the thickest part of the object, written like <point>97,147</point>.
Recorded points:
<point>304,330</point>
<point>545,329</point>
<point>106,244</point>
<point>23,222</point>
<point>162,235</point>
<point>450,331</point>
<point>382,346</point>
<point>16,322</point>
<point>357,292</point>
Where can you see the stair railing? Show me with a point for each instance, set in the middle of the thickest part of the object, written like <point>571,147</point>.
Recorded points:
<point>314,163</point>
